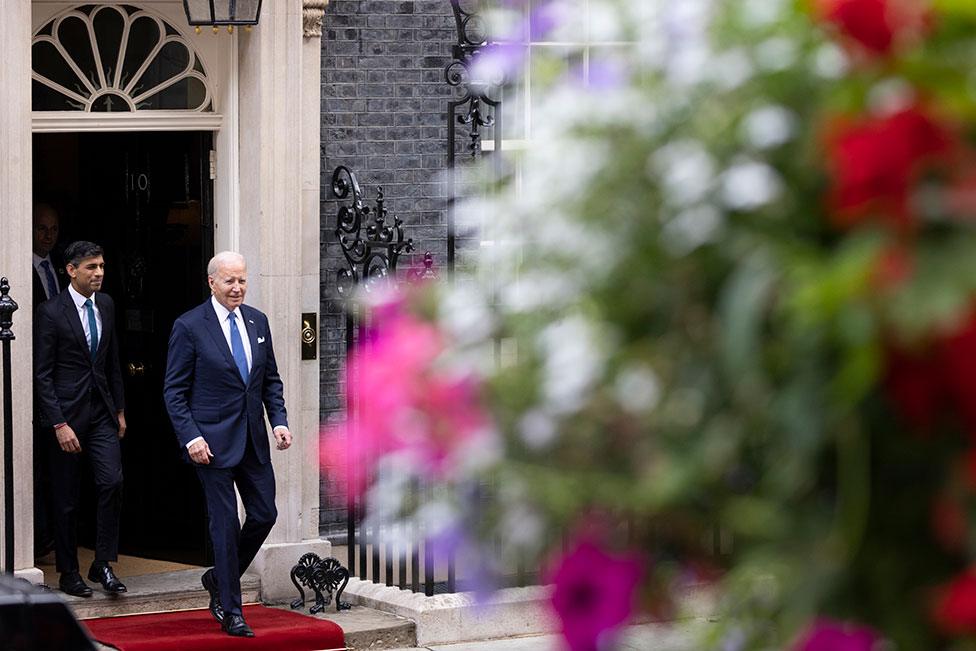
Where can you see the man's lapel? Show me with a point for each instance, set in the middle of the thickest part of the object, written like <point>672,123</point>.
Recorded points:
<point>74,322</point>
<point>217,334</point>
<point>256,338</point>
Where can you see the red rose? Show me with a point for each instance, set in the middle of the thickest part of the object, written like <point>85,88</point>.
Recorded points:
<point>876,26</point>
<point>955,607</point>
<point>874,163</point>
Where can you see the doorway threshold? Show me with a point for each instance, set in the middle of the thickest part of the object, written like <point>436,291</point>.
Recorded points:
<point>154,593</point>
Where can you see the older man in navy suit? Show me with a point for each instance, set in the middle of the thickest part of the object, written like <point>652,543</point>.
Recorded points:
<point>221,377</point>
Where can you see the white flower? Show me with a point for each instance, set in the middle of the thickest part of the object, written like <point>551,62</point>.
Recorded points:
<point>749,185</point>
<point>730,69</point>
<point>776,53</point>
<point>761,13</point>
<point>572,363</point>
<point>768,126</point>
<point>638,389</point>
<point>691,228</point>
<point>830,62</point>
<point>686,169</point>
<point>464,314</point>
<point>537,429</point>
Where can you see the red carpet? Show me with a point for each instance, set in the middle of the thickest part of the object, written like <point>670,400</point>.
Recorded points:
<point>196,630</point>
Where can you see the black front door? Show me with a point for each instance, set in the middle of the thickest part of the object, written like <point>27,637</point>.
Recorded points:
<point>146,198</point>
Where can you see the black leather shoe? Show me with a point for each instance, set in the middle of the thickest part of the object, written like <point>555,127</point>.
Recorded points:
<point>102,573</point>
<point>236,626</point>
<point>209,582</point>
<point>72,583</point>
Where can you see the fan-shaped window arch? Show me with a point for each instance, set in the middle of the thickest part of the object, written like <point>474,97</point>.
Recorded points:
<point>115,58</point>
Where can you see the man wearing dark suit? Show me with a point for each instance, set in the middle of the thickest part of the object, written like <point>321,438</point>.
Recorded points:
<point>46,284</point>
<point>79,389</point>
<point>221,377</point>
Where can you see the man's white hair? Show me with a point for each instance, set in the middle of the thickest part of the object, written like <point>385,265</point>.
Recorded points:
<point>222,258</point>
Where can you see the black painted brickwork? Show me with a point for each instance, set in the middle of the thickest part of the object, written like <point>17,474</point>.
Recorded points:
<point>384,115</point>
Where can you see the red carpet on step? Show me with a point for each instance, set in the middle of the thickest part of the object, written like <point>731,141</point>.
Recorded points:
<point>196,630</point>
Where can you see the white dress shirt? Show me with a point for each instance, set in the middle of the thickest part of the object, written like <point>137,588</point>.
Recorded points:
<point>79,301</point>
<point>43,275</point>
<point>222,314</point>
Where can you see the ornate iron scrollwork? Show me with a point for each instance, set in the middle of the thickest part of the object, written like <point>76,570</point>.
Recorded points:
<point>472,31</point>
<point>7,308</point>
<point>319,575</point>
<point>373,255</point>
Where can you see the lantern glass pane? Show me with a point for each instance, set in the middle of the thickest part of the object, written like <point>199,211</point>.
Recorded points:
<point>198,11</point>
<point>233,11</point>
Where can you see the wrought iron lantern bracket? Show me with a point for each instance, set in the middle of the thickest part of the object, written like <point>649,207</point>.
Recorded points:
<point>370,244</point>
<point>473,42</point>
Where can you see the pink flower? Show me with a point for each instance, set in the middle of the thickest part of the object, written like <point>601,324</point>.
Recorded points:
<point>594,593</point>
<point>400,400</point>
<point>831,635</point>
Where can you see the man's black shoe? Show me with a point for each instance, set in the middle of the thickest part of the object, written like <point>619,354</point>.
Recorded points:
<point>102,573</point>
<point>72,583</point>
<point>236,626</point>
<point>210,584</point>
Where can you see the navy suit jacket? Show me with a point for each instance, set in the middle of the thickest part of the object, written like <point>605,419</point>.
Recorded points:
<point>65,375</point>
<point>205,394</point>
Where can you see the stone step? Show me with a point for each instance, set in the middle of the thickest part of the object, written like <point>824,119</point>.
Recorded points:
<point>153,593</point>
<point>366,628</point>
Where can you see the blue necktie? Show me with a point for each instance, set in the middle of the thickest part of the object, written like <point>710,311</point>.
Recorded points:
<point>52,285</point>
<point>92,326</point>
<point>237,347</point>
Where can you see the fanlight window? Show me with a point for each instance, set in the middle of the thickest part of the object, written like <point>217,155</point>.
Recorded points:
<point>115,58</point>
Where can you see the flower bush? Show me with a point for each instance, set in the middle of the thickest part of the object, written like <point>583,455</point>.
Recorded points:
<point>728,309</point>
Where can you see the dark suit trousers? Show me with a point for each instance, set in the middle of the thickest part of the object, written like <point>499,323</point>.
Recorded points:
<point>100,447</point>
<point>235,547</point>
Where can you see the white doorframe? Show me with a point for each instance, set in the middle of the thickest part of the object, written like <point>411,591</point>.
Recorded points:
<point>218,52</point>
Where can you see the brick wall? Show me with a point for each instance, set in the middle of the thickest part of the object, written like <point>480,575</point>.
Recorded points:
<point>384,116</point>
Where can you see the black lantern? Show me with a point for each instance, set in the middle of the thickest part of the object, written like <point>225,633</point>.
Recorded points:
<point>222,12</point>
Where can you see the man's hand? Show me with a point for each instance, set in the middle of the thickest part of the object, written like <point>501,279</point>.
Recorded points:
<point>121,424</point>
<point>282,437</point>
<point>67,439</point>
<point>200,452</point>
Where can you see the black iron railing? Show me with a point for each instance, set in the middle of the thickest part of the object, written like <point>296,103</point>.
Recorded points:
<point>7,308</point>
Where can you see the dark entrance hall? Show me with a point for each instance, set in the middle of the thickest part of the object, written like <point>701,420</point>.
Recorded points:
<point>146,198</point>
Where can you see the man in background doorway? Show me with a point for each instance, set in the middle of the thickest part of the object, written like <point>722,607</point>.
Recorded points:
<point>78,381</point>
<point>46,284</point>
<point>221,377</point>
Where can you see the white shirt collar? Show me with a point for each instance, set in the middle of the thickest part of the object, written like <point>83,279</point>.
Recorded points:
<point>78,299</point>
<point>38,260</point>
<point>222,311</point>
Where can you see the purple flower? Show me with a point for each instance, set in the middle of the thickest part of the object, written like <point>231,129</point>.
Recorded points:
<point>831,635</point>
<point>594,593</point>
<point>601,75</point>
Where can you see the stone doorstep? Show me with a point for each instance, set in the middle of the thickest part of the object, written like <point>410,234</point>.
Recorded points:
<point>366,628</point>
<point>153,593</point>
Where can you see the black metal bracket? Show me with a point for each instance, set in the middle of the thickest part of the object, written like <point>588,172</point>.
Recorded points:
<point>372,255</point>
<point>7,308</point>
<point>319,575</point>
<point>473,38</point>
